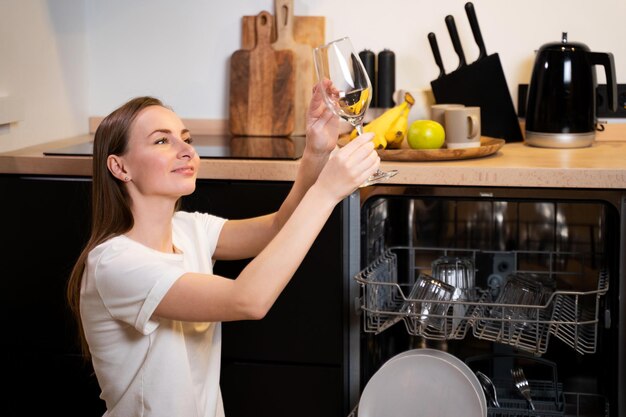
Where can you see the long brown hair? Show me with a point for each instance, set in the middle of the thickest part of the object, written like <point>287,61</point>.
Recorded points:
<point>111,214</point>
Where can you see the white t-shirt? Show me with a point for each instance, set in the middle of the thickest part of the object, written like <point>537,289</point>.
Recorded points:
<point>147,366</point>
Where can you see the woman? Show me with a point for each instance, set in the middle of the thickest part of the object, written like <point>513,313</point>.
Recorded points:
<point>143,289</point>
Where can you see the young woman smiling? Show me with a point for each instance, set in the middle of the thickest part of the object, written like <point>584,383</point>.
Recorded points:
<point>143,289</point>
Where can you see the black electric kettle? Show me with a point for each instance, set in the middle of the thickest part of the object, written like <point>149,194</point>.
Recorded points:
<point>561,101</point>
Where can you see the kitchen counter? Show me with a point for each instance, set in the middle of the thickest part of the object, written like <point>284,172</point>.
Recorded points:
<point>602,165</point>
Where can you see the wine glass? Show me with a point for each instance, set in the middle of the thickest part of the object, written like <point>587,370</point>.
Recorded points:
<point>350,94</point>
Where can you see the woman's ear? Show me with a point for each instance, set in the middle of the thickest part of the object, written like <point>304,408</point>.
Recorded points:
<point>116,167</point>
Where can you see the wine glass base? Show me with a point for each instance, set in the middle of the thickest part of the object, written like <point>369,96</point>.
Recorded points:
<point>378,177</point>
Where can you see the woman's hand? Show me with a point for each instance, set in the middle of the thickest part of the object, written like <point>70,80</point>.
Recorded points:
<point>349,167</point>
<point>322,125</point>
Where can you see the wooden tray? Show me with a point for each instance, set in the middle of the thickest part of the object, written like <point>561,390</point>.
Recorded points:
<point>488,146</point>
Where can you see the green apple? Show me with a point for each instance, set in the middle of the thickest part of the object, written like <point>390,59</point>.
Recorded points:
<point>426,134</point>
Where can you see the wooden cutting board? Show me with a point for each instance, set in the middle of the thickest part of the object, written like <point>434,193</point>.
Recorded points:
<point>309,30</point>
<point>303,62</point>
<point>262,87</point>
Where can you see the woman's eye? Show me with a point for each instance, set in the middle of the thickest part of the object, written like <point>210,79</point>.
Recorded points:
<point>189,140</point>
<point>160,141</point>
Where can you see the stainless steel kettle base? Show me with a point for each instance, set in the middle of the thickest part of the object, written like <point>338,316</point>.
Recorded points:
<point>559,140</point>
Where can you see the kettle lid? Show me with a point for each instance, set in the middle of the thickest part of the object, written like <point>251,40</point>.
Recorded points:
<point>564,45</point>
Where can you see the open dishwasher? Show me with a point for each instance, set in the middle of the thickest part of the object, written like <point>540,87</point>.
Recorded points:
<point>562,250</point>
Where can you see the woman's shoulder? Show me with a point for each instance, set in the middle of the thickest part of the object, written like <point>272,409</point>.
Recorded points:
<point>193,215</point>
<point>121,247</point>
<point>196,219</point>
<point>121,256</point>
<point>112,247</point>
<point>117,243</point>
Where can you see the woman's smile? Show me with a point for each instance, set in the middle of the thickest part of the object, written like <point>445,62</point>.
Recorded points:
<point>186,170</point>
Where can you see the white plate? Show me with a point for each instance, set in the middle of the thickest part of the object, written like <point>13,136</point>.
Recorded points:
<point>423,383</point>
<point>453,361</point>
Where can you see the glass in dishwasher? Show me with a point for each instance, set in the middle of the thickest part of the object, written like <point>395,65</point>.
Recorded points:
<point>458,272</point>
<point>427,307</point>
<point>521,314</point>
<point>520,299</point>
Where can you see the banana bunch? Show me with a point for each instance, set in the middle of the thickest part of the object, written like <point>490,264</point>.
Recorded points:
<point>390,128</point>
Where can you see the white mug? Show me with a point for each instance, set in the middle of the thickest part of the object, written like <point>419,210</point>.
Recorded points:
<point>462,126</point>
<point>437,112</point>
<point>423,100</point>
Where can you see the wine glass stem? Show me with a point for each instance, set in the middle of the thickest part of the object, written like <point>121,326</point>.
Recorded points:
<point>379,175</point>
<point>359,128</point>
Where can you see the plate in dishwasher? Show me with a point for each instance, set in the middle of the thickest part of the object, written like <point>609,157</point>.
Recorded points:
<point>423,383</point>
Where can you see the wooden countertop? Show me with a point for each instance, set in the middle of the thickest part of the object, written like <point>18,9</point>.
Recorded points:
<point>602,165</point>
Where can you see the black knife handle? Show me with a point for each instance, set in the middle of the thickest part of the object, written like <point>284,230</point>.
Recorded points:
<point>456,41</point>
<point>432,39</point>
<point>478,37</point>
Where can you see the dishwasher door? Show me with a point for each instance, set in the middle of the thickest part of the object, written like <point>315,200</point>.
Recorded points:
<point>573,241</point>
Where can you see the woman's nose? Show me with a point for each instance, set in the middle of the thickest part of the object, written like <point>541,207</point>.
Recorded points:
<point>186,150</point>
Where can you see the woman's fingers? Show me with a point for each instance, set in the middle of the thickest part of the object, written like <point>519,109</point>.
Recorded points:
<point>349,166</point>
<point>359,142</point>
<point>317,99</point>
<point>324,118</point>
<point>366,166</point>
<point>359,155</point>
<point>324,128</point>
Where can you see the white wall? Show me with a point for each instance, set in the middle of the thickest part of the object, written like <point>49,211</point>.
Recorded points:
<point>42,67</point>
<point>77,58</point>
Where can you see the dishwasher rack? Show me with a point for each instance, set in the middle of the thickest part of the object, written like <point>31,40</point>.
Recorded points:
<point>575,405</point>
<point>570,313</point>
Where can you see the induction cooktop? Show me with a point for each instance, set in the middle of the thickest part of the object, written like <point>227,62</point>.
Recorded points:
<point>220,146</point>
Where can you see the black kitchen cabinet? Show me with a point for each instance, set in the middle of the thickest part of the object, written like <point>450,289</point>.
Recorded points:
<point>44,227</point>
<point>274,389</point>
<point>291,362</point>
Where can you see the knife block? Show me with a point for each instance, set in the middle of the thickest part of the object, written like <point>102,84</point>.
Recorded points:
<point>482,84</point>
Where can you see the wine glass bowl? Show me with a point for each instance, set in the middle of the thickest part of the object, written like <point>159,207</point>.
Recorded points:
<point>350,92</point>
<point>349,95</point>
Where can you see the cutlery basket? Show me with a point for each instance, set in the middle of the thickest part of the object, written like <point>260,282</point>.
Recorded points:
<point>545,389</point>
<point>575,405</point>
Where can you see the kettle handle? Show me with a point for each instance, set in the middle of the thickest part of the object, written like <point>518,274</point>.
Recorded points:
<point>606,60</point>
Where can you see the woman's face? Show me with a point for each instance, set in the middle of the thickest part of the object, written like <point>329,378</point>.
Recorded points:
<point>160,160</point>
